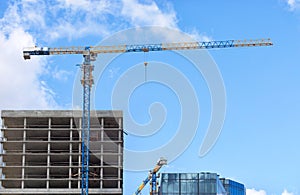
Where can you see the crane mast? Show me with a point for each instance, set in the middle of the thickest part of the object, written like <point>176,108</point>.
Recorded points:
<point>90,53</point>
<point>87,82</point>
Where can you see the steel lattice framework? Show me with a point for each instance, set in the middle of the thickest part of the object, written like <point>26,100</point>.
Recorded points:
<point>87,82</point>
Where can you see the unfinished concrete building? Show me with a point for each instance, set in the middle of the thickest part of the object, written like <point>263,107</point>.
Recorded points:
<point>41,152</point>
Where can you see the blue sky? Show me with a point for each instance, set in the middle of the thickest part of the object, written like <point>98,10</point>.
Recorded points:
<point>259,141</point>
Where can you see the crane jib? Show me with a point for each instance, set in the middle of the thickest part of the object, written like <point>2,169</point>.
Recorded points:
<point>144,47</point>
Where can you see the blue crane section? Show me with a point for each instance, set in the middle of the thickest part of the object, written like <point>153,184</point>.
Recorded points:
<point>90,53</point>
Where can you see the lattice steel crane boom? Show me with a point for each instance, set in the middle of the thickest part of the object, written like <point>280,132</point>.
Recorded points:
<point>90,53</point>
<point>94,50</point>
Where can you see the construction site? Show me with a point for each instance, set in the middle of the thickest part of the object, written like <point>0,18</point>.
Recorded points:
<point>41,154</point>
<point>81,152</point>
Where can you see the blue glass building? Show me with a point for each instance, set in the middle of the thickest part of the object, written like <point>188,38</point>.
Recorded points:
<point>233,187</point>
<point>198,184</point>
<point>191,184</point>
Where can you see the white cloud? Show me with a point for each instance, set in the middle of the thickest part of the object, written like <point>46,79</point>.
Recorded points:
<point>285,192</point>
<point>19,80</point>
<point>263,192</point>
<point>61,75</point>
<point>81,18</point>
<point>30,22</point>
<point>293,4</point>
<point>113,72</point>
<point>199,36</point>
<point>72,19</point>
<point>20,83</point>
<point>23,14</point>
<point>92,7</point>
<point>52,20</point>
<point>148,14</point>
<point>255,192</point>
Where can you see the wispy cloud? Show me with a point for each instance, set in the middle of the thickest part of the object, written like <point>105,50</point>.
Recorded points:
<point>77,18</point>
<point>196,35</point>
<point>285,192</point>
<point>263,192</point>
<point>113,72</point>
<point>52,20</point>
<point>73,19</point>
<point>19,81</point>
<point>139,14</point>
<point>60,74</point>
<point>293,4</point>
<point>28,22</point>
<point>255,192</point>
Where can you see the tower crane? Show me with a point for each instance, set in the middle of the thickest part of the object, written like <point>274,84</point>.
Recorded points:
<point>152,176</point>
<point>90,54</point>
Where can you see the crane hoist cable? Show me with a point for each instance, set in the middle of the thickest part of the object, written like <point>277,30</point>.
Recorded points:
<point>145,64</point>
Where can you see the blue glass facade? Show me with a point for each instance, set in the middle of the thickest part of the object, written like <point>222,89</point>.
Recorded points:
<point>191,184</point>
<point>233,187</point>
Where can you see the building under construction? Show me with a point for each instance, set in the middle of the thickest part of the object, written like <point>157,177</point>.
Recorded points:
<point>41,152</point>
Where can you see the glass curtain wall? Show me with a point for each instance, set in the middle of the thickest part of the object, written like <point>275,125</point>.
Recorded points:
<point>233,188</point>
<point>191,184</point>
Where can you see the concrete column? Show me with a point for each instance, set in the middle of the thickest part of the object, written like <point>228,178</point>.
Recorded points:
<point>1,151</point>
<point>120,149</point>
<point>70,153</point>
<point>80,128</point>
<point>79,149</point>
<point>1,158</point>
<point>120,123</point>
<point>119,164</point>
<point>79,164</point>
<point>48,153</point>
<point>101,153</point>
<point>3,123</point>
<point>101,166</point>
<point>23,153</point>
<point>102,129</point>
